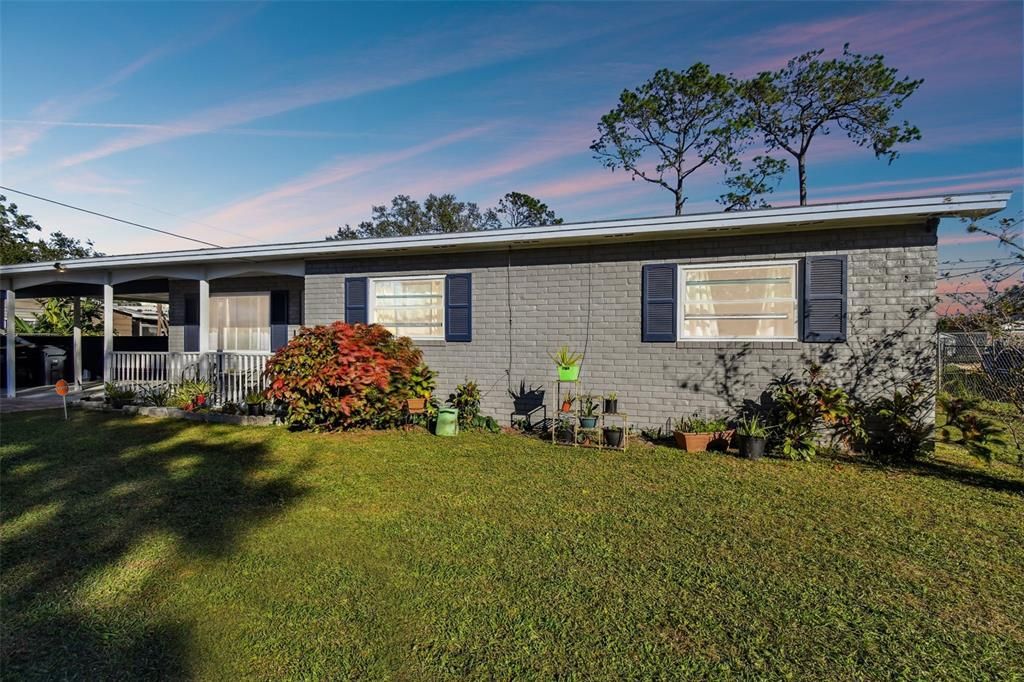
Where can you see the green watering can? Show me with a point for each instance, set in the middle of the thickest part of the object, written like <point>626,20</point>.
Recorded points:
<point>447,422</point>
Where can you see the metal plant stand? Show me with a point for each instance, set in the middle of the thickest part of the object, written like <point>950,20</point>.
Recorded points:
<point>565,423</point>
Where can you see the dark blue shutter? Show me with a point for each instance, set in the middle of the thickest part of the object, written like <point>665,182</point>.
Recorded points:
<point>191,323</point>
<point>3,309</point>
<point>658,305</point>
<point>355,300</point>
<point>458,307</point>
<point>824,313</point>
<point>278,318</point>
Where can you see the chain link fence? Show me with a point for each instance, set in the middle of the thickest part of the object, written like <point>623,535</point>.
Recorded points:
<point>973,365</point>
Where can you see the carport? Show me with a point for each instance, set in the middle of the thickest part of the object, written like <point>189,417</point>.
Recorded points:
<point>61,284</point>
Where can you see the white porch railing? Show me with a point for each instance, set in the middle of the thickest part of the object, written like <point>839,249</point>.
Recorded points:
<point>232,374</point>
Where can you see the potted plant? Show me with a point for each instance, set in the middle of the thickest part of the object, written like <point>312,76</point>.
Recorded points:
<point>752,435</point>
<point>564,430</point>
<point>568,364</point>
<point>254,401</point>
<point>697,434</point>
<point>588,411</point>
<point>611,403</point>
<point>613,436</point>
<point>567,401</point>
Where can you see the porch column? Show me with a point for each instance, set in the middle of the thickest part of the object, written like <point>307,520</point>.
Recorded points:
<point>77,342</point>
<point>108,332</point>
<point>12,335</point>
<point>204,327</point>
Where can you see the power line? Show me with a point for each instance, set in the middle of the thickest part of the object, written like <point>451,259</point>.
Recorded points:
<point>110,217</point>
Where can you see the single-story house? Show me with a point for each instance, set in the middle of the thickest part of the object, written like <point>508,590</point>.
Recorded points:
<point>675,314</point>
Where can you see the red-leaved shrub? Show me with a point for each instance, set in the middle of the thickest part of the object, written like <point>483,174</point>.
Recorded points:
<point>343,376</point>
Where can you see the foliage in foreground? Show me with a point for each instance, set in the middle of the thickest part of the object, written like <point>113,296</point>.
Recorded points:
<point>342,376</point>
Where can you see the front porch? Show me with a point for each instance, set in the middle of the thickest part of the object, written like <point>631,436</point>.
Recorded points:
<point>224,322</point>
<point>232,375</point>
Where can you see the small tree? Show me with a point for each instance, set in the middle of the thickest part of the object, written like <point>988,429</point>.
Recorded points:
<point>672,126</point>
<point>516,209</point>
<point>857,94</point>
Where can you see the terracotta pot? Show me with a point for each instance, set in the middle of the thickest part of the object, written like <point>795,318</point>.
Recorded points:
<point>566,406</point>
<point>703,442</point>
<point>693,442</point>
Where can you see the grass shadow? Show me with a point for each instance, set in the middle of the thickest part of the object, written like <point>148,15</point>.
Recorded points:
<point>84,501</point>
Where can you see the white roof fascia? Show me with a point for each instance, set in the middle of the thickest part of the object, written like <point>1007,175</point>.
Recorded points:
<point>819,216</point>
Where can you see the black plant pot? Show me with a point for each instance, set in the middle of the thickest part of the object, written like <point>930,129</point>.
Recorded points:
<point>752,447</point>
<point>564,435</point>
<point>254,410</point>
<point>613,437</point>
<point>611,406</point>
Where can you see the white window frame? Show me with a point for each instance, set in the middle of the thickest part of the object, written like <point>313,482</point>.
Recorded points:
<point>371,298</point>
<point>229,294</point>
<point>681,300</point>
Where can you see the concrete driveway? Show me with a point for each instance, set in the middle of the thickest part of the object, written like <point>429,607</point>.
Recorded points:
<point>44,398</point>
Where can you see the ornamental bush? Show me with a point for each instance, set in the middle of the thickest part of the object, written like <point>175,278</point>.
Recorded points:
<point>345,376</point>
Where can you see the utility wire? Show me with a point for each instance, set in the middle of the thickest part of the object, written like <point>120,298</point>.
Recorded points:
<point>110,217</point>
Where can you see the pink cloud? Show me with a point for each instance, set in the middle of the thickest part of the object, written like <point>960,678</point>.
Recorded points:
<point>583,183</point>
<point>252,212</point>
<point>945,42</point>
<point>344,191</point>
<point>969,239</point>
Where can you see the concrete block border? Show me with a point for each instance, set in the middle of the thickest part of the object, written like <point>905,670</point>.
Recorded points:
<point>175,413</point>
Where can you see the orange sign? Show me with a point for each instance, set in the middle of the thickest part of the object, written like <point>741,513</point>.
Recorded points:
<point>61,387</point>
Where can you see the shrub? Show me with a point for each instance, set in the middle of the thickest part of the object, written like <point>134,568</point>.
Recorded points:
<point>466,399</point>
<point>193,395</point>
<point>900,427</point>
<point>157,395</point>
<point>804,409</point>
<point>118,395</point>
<point>344,376</point>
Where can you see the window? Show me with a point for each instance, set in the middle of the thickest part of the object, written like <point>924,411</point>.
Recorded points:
<point>409,306</point>
<point>240,322</point>
<point>749,301</point>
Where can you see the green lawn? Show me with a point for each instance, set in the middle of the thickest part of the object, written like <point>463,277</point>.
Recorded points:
<point>138,547</point>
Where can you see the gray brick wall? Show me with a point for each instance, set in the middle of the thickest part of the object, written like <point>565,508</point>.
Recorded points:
<point>892,273</point>
<point>180,287</point>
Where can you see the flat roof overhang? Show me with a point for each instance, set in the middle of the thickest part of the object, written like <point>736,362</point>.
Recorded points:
<point>830,216</point>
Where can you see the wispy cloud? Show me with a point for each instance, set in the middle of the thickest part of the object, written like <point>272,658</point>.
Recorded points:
<point>257,132</point>
<point>345,189</point>
<point>18,139</point>
<point>383,69</point>
<point>968,239</point>
<point>92,183</point>
<point>950,41</point>
<point>253,211</point>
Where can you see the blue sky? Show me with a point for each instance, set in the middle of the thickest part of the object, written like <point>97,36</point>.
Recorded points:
<point>238,123</point>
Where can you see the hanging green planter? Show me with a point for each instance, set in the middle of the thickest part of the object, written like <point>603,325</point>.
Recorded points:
<point>568,364</point>
<point>570,373</point>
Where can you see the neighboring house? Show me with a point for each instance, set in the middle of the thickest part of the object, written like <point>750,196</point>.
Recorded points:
<point>141,319</point>
<point>675,314</point>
